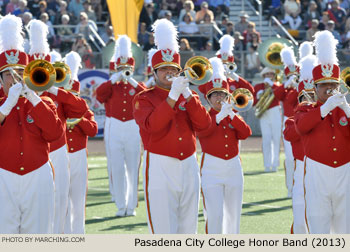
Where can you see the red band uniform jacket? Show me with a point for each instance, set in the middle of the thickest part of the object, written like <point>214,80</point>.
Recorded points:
<point>241,83</point>
<point>171,131</point>
<point>326,140</point>
<point>77,136</point>
<point>291,134</point>
<point>221,140</point>
<point>25,135</point>
<point>289,97</point>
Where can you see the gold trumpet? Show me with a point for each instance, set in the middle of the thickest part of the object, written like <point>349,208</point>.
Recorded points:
<point>63,74</point>
<point>198,70</point>
<point>345,77</point>
<point>242,99</point>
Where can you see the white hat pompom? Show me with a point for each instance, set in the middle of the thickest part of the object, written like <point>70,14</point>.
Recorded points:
<point>38,32</point>
<point>11,33</point>
<point>55,56</point>
<point>73,60</point>
<point>115,55</point>
<point>306,48</point>
<point>218,69</point>
<point>124,46</point>
<point>288,57</point>
<point>227,43</point>
<point>165,35</point>
<point>151,52</point>
<point>307,64</point>
<point>326,48</point>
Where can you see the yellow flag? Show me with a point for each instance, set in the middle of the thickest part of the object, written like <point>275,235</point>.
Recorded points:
<point>125,16</point>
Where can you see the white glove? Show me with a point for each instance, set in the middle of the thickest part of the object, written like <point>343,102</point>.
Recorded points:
<point>11,101</point>
<point>53,90</point>
<point>116,77</point>
<point>177,87</point>
<point>331,103</point>
<point>187,93</point>
<point>226,110</point>
<point>345,107</point>
<point>132,81</point>
<point>234,76</point>
<point>150,82</point>
<point>31,96</point>
<point>290,82</point>
<point>268,81</point>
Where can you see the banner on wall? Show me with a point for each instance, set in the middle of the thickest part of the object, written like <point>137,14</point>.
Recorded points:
<point>89,82</point>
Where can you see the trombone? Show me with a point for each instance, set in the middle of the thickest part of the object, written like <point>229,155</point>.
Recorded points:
<point>63,74</point>
<point>242,100</point>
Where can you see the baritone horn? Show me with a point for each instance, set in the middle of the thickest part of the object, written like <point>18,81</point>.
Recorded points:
<point>63,74</point>
<point>242,99</point>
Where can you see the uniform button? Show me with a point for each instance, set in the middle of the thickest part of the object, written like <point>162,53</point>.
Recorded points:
<point>21,153</point>
<point>22,168</point>
<point>125,87</point>
<point>330,113</point>
<point>226,155</point>
<point>124,101</point>
<point>124,94</point>
<point>226,145</point>
<point>72,149</point>
<point>224,127</point>
<point>335,162</point>
<point>332,125</point>
<point>19,123</point>
<point>226,136</point>
<point>124,110</point>
<point>181,154</point>
<point>180,138</point>
<point>70,131</point>
<point>21,138</point>
<point>70,139</point>
<point>17,108</point>
<point>334,149</point>
<point>123,118</point>
<point>333,137</point>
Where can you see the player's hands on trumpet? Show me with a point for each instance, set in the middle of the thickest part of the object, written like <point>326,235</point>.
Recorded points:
<point>268,81</point>
<point>179,86</point>
<point>332,102</point>
<point>345,107</point>
<point>116,77</point>
<point>226,110</point>
<point>12,98</point>
<point>291,82</point>
<point>31,96</point>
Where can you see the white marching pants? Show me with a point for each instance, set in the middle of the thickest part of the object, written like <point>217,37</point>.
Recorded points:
<point>271,129</point>
<point>125,153</point>
<point>60,163</point>
<point>327,198</point>
<point>222,191</point>
<point>171,194</point>
<point>77,192</point>
<point>288,162</point>
<point>299,224</point>
<point>27,202</point>
<point>106,139</point>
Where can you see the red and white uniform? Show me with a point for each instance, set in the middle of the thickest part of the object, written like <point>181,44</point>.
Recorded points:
<point>77,152</point>
<point>172,173</point>
<point>222,174</point>
<point>289,98</point>
<point>241,83</point>
<point>26,176</point>
<point>271,127</point>
<point>124,141</point>
<point>327,163</point>
<point>68,106</point>
<point>290,134</point>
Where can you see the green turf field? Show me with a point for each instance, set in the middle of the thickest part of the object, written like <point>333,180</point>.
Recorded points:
<point>266,209</point>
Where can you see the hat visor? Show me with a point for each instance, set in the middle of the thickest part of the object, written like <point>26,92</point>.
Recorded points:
<point>7,68</point>
<point>165,64</point>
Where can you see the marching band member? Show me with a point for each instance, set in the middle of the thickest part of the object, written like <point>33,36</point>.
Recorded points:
<point>170,114</point>
<point>290,133</point>
<point>68,106</point>
<point>305,49</point>
<point>326,163</point>
<point>288,94</point>
<point>270,121</point>
<point>150,82</point>
<point>124,137</point>
<point>77,136</point>
<point>27,125</point>
<point>221,170</point>
<point>225,53</point>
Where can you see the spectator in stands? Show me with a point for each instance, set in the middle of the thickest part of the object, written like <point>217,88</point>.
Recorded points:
<point>82,47</point>
<point>168,15</point>
<point>148,15</point>
<point>143,34</point>
<point>312,30</point>
<point>239,46</point>
<point>164,7</point>
<point>173,7</point>
<point>304,6</point>
<point>44,17</point>
<point>189,27</point>
<point>242,25</point>
<point>63,11</point>
<point>197,4</point>
<point>203,12</point>
<point>229,29</point>
<point>26,18</point>
<point>108,34</point>
<point>34,7</point>
<point>275,8</point>
<point>209,47</point>
<point>88,10</point>
<point>223,22</point>
<point>255,42</point>
<point>85,26</point>
<point>206,29</point>
<point>186,51</point>
<point>248,34</point>
<point>53,6</point>
<point>291,14</point>
<point>22,8</point>
<point>331,27</point>
<point>188,8</point>
<point>65,34</point>
<point>11,6</point>
<point>338,15</point>
<point>97,8</point>
<point>42,8</point>
<point>345,4</point>
<point>324,20</point>
<point>76,6</point>
<point>312,13</point>
<point>322,5</point>
<point>150,44</point>
<point>252,62</point>
<point>224,6</point>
